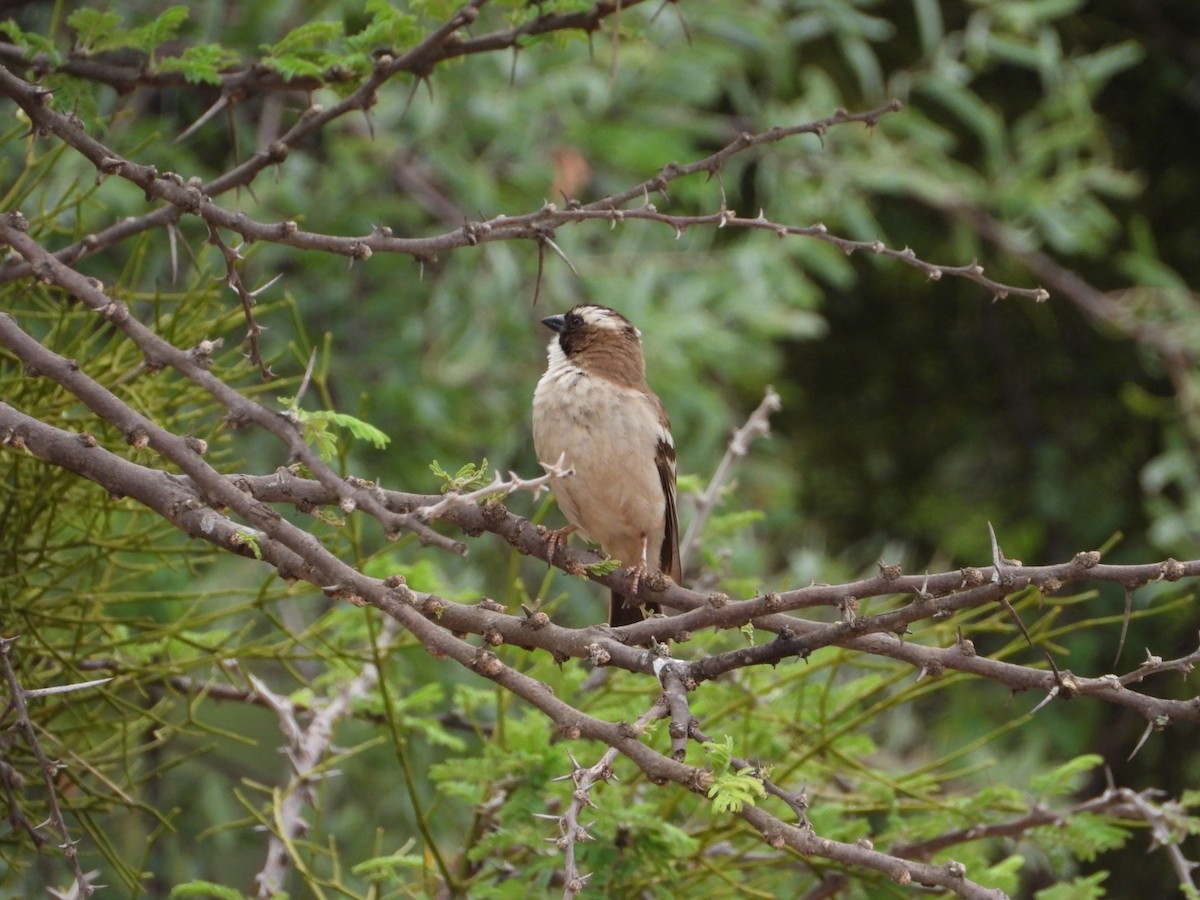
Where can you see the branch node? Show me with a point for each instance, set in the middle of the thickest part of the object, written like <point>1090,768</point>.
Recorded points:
<point>115,311</point>
<point>597,655</point>
<point>487,664</point>
<point>1171,570</point>
<point>138,439</point>
<point>717,600</point>
<point>535,620</point>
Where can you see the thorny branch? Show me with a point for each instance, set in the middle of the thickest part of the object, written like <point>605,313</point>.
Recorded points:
<point>49,769</point>
<point>758,425</point>
<point>229,510</point>
<point>676,682</point>
<point>193,198</point>
<point>248,298</point>
<point>799,636</point>
<point>307,748</point>
<point>194,364</point>
<point>1163,819</point>
<point>1115,802</point>
<point>180,500</point>
<point>498,486</point>
<point>419,612</point>
<point>570,831</point>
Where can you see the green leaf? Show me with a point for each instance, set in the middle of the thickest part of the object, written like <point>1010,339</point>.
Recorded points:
<point>731,791</point>
<point>297,67</point>
<point>94,28</point>
<point>98,30</point>
<point>306,38</point>
<point>205,889</point>
<point>1005,875</point>
<point>317,433</point>
<point>721,753</point>
<point>203,63</point>
<point>364,431</point>
<point>467,478</point>
<point>151,36</point>
<point>305,51</point>
<point>1082,888</point>
<point>1063,780</point>
<point>317,428</point>
<point>250,540</point>
<point>388,29</point>
<point>32,44</point>
<point>604,567</point>
<point>1084,835</point>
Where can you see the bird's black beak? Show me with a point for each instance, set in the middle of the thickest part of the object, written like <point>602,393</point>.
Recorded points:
<point>556,323</point>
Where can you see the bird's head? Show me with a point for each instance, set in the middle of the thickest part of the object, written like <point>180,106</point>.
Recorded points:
<point>599,340</point>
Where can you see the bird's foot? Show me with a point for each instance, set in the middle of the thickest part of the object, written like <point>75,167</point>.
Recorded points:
<point>638,573</point>
<point>557,538</point>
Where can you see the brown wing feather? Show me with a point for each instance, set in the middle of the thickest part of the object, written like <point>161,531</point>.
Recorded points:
<point>622,612</point>
<point>668,559</point>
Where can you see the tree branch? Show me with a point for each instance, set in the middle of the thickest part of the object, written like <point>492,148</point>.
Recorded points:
<point>82,886</point>
<point>306,750</point>
<point>539,226</point>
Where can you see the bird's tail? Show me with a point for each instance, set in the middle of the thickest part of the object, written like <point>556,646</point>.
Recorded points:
<point>623,611</point>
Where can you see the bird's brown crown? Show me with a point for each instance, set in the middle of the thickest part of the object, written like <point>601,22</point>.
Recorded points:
<point>603,342</point>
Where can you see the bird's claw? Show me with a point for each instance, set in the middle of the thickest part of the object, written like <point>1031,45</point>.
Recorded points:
<point>555,539</point>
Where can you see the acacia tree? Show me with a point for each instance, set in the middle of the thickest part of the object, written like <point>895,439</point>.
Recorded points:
<point>190,537</point>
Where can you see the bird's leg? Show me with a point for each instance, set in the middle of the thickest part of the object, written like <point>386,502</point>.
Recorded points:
<point>640,569</point>
<point>556,539</point>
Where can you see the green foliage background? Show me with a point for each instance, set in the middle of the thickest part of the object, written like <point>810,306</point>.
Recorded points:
<point>915,413</point>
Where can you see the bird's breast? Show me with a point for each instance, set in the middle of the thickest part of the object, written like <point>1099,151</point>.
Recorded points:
<point>609,434</point>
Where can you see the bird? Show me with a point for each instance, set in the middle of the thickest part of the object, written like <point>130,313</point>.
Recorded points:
<point>594,411</point>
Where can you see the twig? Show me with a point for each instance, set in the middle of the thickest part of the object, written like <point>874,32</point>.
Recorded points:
<point>248,298</point>
<point>82,886</point>
<point>1156,664</point>
<point>193,199</point>
<point>306,749</point>
<point>756,426</point>
<point>1000,575</point>
<point>570,831</point>
<point>194,365</point>
<point>1167,832</point>
<point>1117,803</point>
<point>456,501</point>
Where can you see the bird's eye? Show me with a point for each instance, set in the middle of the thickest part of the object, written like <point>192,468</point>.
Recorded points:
<point>574,320</point>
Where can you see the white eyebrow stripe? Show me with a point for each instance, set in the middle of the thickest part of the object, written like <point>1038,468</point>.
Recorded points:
<point>601,317</point>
